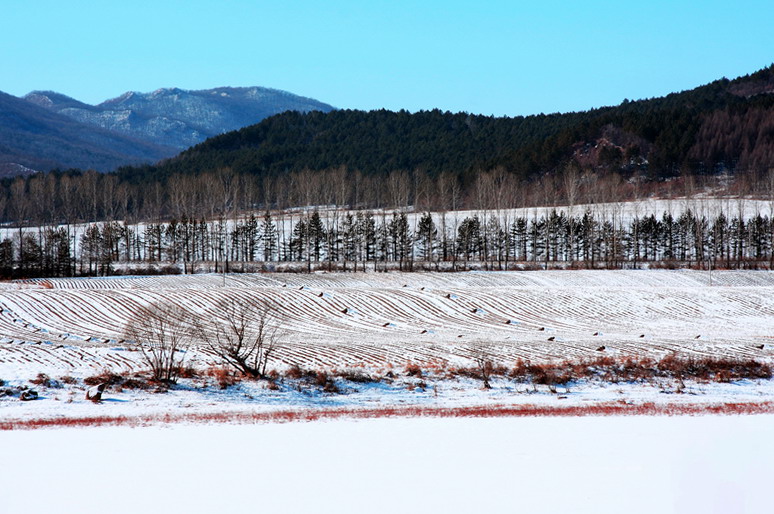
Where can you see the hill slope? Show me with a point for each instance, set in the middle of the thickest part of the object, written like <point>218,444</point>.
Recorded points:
<point>725,125</point>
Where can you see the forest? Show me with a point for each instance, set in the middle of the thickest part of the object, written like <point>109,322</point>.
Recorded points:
<point>727,125</point>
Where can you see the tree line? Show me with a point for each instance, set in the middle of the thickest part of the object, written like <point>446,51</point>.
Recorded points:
<point>381,240</point>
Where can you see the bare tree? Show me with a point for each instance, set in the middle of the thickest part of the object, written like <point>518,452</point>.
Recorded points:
<point>243,335</point>
<point>162,332</point>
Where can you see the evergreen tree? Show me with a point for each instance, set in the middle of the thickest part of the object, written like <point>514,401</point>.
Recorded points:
<point>269,231</point>
<point>426,236</point>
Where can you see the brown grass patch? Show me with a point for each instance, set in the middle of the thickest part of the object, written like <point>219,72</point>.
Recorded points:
<point>489,411</point>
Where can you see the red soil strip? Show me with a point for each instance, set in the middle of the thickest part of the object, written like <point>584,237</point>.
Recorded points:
<point>495,411</point>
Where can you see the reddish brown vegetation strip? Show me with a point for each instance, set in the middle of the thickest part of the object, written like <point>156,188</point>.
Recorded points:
<point>495,411</point>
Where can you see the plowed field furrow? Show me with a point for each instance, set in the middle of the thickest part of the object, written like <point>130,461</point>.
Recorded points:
<point>372,319</point>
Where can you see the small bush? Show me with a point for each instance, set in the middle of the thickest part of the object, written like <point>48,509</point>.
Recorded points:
<point>323,380</point>
<point>224,377</point>
<point>106,377</point>
<point>356,376</point>
<point>187,372</point>
<point>137,382</point>
<point>44,380</point>
<point>294,372</point>
<point>413,370</point>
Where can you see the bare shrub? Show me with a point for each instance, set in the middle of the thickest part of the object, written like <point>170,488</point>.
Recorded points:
<point>549,375</point>
<point>44,380</point>
<point>294,372</point>
<point>306,378</point>
<point>136,382</point>
<point>119,382</point>
<point>243,335</point>
<point>413,370</point>
<point>162,333</point>
<point>356,376</point>
<point>225,377</point>
<point>484,370</point>
<point>325,382</point>
<point>188,372</point>
<point>106,377</point>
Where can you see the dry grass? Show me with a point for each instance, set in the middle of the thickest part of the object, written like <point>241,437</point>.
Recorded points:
<point>223,376</point>
<point>492,411</point>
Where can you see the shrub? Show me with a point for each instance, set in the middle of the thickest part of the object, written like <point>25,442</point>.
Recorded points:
<point>106,377</point>
<point>137,382</point>
<point>187,372</point>
<point>44,380</point>
<point>294,372</point>
<point>413,370</point>
<point>356,376</point>
<point>224,377</point>
<point>323,380</point>
<point>631,369</point>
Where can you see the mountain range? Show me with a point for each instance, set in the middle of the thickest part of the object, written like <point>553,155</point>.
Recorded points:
<point>46,130</point>
<point>724,126</point>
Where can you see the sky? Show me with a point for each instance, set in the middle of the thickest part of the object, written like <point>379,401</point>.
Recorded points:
<point>501,58</point>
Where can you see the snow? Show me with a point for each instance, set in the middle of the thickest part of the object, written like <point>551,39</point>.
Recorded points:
<point>579,465</point>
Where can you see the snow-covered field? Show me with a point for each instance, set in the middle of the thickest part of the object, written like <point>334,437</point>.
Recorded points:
<point>388,319</point>
<point>540,465</point>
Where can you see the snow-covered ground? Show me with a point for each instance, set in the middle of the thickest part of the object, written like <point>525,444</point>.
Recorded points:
<point>540,465</point>
<point>76,326</point>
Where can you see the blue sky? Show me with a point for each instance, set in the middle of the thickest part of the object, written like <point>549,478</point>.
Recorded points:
<point>487,57</point>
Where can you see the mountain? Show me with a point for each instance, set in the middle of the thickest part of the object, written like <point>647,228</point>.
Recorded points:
<point>727,125</point>
<point>35,138</point>
<point>178,118</point>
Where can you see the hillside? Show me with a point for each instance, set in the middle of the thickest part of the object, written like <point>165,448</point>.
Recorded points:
<point>178,118</point>
<point>722,126</point>
<point>34,138</point>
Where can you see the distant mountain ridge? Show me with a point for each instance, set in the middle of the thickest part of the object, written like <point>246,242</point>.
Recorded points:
<point>179,118</point>
<point>46,130</point>
<point>33,138</point>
